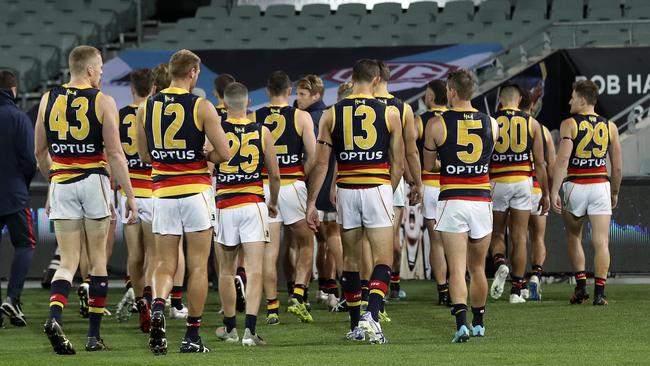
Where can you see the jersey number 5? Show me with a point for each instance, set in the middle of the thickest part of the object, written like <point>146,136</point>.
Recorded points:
<point>465,138</point>
<point>243,154</point>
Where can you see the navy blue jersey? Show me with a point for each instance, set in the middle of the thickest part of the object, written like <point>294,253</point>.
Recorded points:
<point>465,155</point>
<point>513,149</point>
<point>588,163</point>
<point>74,133</point>
<point>139,172</point>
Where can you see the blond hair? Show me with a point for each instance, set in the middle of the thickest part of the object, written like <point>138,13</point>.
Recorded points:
<point>182,62</point>
<point>79,57</point>
<point>311,83</point>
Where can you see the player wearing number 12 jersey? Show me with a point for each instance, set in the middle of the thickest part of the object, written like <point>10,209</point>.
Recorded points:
<point>587,140</point>
<point>76,123</point>
<point>366,138</point>
<point>520,138</point>
<point>463,138</point>
<point>171,136</point>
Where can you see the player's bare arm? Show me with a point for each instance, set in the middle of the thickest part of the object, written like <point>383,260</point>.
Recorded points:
<point>319,169</point>
<point>567,131</point>
<point>40,140</point>
<point>143,148</point>
<point>271,164</point>
<point>306,129</point>
<point>540,169</point>
<point>413,164</point>
<point>616,160</point>
<point>396,147</point>
<point>432,137</point>
<point>211,122</point>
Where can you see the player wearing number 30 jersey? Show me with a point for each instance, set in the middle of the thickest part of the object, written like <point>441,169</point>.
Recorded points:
<point>587,140</point>
<point>464,140</point>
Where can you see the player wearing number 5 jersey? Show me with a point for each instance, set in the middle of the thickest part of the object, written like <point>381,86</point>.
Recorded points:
<point>366,138</point>
<point>587,140</point>
<point>520,138</point>
<point>293,131</point>
<point>242,214</point>
<point>173,126</point>
<point>76,124</point>
<point>463,138</point>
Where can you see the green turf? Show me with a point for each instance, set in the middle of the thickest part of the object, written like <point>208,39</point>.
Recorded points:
<point>551,332</point>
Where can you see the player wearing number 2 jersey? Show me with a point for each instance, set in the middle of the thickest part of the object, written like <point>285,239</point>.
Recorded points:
<point>519,139</point>
<point>463,138</point>
<point>587,140</point>
<point>293,131</point>
<point>76,124</point>
<point>366,138</point>
<point>171,136</point>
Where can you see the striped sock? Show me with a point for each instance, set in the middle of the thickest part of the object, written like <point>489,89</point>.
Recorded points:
<point>581,279</point>
<point>599,286</point>
<point>351,284</point>
<point>272,306</point>
<point>394,281</point>
<point>59,291</point>
<point>460,312</point>
<point>193,325</point>
<point>96,303</point>
<point>299,293</point>
<point>146,294</point>
<point>364,290</point>
<point>176,296</point>
<point>378,289</point>
<point>158,305</point>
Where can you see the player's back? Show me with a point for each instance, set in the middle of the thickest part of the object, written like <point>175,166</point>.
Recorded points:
<point>221,111</point>
<point>281,120</point>
<point>428,178</point>
<point>588,163</point>
<point>239,180</point>
<point>465,155</point>
<point>361,139</point>
<point>392,101</point>
<point>74,133</point>
<point>139,172</point>
<point>175,140</point>
<point>512,156</point>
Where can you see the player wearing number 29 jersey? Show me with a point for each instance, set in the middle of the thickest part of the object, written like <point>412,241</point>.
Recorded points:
<point>587,141</point>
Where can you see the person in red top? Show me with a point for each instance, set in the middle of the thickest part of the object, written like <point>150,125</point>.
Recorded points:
<point>589,191</point>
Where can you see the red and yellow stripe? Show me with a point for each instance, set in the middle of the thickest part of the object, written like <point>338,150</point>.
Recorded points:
<point>430,179</point>
<point>362,175</point>
<point>170,180</point>
<point>232,196</point>
<point>510,173</point>
<point>288,175</point>
<point>588,175</point>
<point>68,169</point>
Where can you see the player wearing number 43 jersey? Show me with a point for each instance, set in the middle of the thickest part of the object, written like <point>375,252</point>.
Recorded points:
<point>463,138</point>
<point>366,138</point>
<point>520,138</point>
<point>292,131</point>
<point>587,140</point>
<point>76,123</point>
<point>173,126</point>
<point>242,213</point>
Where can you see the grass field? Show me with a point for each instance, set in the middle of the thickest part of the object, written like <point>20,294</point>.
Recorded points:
<point>551,332</point>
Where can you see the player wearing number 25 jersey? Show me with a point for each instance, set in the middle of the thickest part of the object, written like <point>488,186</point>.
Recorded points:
<point>587,140</point>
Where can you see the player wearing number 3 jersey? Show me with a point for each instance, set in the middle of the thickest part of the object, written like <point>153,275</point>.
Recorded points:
<point>463,138</point>
<point>76,129</point>
<point>173,126</point>
<point>366,138</point>
<point>587,140</point>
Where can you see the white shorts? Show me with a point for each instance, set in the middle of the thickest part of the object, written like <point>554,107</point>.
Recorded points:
<point>459,216</point>
<point>243,224</point>
<point>175,216</point>
<point>89,198</point>
<point>536,210</point>
<point>145,206</point>
<point>430,202</point>
<point>326,216</point>
<point>292,202</point>
<point>587,199</point>
<point>512,195</point>
<point>399,196</point>
<point>369,207</point>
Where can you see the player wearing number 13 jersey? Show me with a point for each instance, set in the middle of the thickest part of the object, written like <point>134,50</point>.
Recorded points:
<point>173,127</point>
<point>76,124</point>
<point>365,136</point>
<point>587,140</point>
<point>464,139</point>
<point>519,138</point>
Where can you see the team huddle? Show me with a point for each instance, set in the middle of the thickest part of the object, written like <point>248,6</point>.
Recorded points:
<point>236,183</point>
